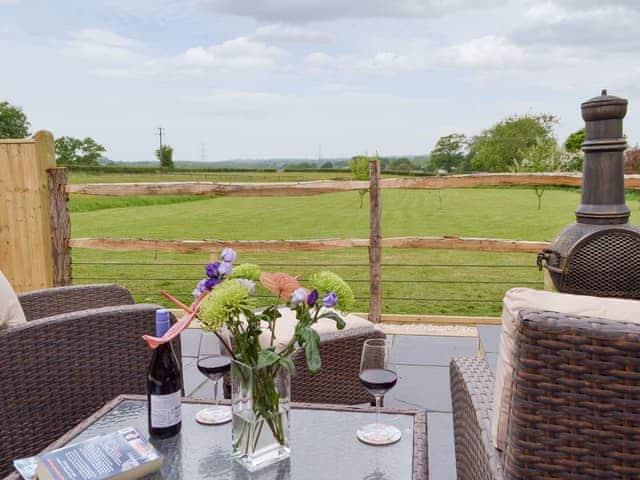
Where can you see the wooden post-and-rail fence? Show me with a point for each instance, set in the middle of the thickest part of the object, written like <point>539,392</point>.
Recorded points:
<point>34,220</point>
<point>35,243</point>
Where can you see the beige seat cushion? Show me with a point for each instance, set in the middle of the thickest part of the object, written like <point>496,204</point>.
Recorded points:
<point>286,324</point>
<point>518,299</point>
<point>11,313</point>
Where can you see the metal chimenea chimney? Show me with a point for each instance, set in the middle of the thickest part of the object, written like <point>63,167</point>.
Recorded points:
<point>599,254</point>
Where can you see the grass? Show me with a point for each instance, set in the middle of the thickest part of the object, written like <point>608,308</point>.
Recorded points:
<point>91,203</point>
<point>415,280</point>
<point>249,176</point>
<point>410,286</point>
<point>496,213</point>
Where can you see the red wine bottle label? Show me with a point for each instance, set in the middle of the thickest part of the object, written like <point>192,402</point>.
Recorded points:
<point>165,410</point>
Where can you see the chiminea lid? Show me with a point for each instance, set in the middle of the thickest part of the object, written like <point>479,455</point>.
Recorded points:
<point>604,107</point>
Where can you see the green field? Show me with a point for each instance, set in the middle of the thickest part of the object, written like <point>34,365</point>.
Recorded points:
<point>177,176</point>
<point>415,281</point>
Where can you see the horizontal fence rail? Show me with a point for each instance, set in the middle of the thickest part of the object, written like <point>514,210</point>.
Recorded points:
<point>193,246</point>
<point>315,187</point>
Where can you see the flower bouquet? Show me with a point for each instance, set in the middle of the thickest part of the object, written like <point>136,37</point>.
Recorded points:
<point>261,367</point>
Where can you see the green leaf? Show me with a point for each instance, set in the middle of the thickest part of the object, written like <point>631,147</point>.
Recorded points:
<point>311,346</point>
<point>334,316</point>
<point>287,363</point>
<point>266,358</point>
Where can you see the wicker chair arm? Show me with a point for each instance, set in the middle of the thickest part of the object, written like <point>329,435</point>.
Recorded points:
<point>56,301</point>
<point>58,370</point>
<point>338,381</point>
<point>472,397</point>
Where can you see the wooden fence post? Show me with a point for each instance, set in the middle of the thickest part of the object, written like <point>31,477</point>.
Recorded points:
<point>375,244</point>
<point>60,226</point>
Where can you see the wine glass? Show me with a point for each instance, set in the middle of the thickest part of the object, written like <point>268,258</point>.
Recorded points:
<point>213,364</point>
<point>378,376</point>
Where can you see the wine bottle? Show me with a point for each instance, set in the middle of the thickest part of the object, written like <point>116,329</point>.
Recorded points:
<point>164,381</point>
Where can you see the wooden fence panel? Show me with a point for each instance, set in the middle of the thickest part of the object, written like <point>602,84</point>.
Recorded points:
<point>25,225</point>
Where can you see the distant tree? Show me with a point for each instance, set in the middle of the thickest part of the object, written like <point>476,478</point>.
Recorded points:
<point>508,143</point>
<point>327,164</point>
<point>165,155</point>
<point>449,153</point>
<point>359,166</point>
<point>403,165</point>
<point>573,158</point>
<point>73,151</point>
<point>632,160</point>
<point>13,121</point>
<point>543,156</point>
<point>573,143</point>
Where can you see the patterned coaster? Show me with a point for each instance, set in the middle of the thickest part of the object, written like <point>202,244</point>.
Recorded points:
<point>379,434</point>
<point>214,415</point>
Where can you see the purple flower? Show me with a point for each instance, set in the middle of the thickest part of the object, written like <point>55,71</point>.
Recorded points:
<point>312,298</point>
<point>330,300</point>
<point>298,296</point>
<point>211,282</point>
<point>212,269</point>
<point>199,288</point>
<point>251,285</point>
<point>228,255</point>
<point>225,268</point>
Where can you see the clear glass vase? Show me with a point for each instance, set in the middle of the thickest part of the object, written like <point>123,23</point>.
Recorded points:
<point>260,403</point>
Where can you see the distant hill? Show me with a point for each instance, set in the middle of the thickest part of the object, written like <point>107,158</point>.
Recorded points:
<point>266,164</point>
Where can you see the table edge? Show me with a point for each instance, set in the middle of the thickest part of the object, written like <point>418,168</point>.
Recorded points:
<point>420,442</point>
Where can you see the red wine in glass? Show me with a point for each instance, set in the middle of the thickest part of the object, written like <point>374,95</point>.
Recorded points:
<point>378,376</point>
<point>214,366</point>
<point>378,381</point>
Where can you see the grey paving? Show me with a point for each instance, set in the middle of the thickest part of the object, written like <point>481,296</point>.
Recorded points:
<point>421,386</point>
<point>490,337</point>
<point>431,350</point>
<point>442,457</point>
<point>190,339</point>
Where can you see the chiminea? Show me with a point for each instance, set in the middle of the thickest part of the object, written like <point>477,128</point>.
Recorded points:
<point>599,254</point>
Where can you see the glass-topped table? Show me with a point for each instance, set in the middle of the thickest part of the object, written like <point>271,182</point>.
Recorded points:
<point>323,444</point>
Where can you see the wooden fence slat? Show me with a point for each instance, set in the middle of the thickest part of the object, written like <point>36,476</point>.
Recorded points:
<point>193,246</point>
<point>60,226</point>
<point>375,243</point>
<point>315,187</point>
<point>25,223</point>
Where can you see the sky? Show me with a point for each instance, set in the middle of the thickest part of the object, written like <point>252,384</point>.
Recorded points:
<point>231,79</point>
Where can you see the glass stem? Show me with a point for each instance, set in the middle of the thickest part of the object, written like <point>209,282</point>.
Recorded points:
<point>215,392</point>
<point>378,409</point>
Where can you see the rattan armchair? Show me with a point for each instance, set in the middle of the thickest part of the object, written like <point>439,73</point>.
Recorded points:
<point>575,409</point>
<point>80,348</point>
<point>338,380</point>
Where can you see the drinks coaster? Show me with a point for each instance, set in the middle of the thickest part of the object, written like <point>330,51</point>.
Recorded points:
<point>379,434</point>
<point>214,415</point>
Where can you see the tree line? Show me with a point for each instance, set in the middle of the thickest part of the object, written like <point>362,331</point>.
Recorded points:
<point>519,143</point>
<point>71,151</point>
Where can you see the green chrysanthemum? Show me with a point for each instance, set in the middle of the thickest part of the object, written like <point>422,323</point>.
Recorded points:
<point>327,282</point>
<point>223,305</point>
<point>249,271</point>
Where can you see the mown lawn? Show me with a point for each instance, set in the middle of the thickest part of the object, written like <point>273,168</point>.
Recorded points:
<point>416,281</point>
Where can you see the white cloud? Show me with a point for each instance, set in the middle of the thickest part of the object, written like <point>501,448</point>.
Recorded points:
<point>594,25</point>
<point>239,53</point>
<point>103,45</point>
<point>316,10</point>
<point>283,33</point>
<point>115,56</point>
<point>488,52</point>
